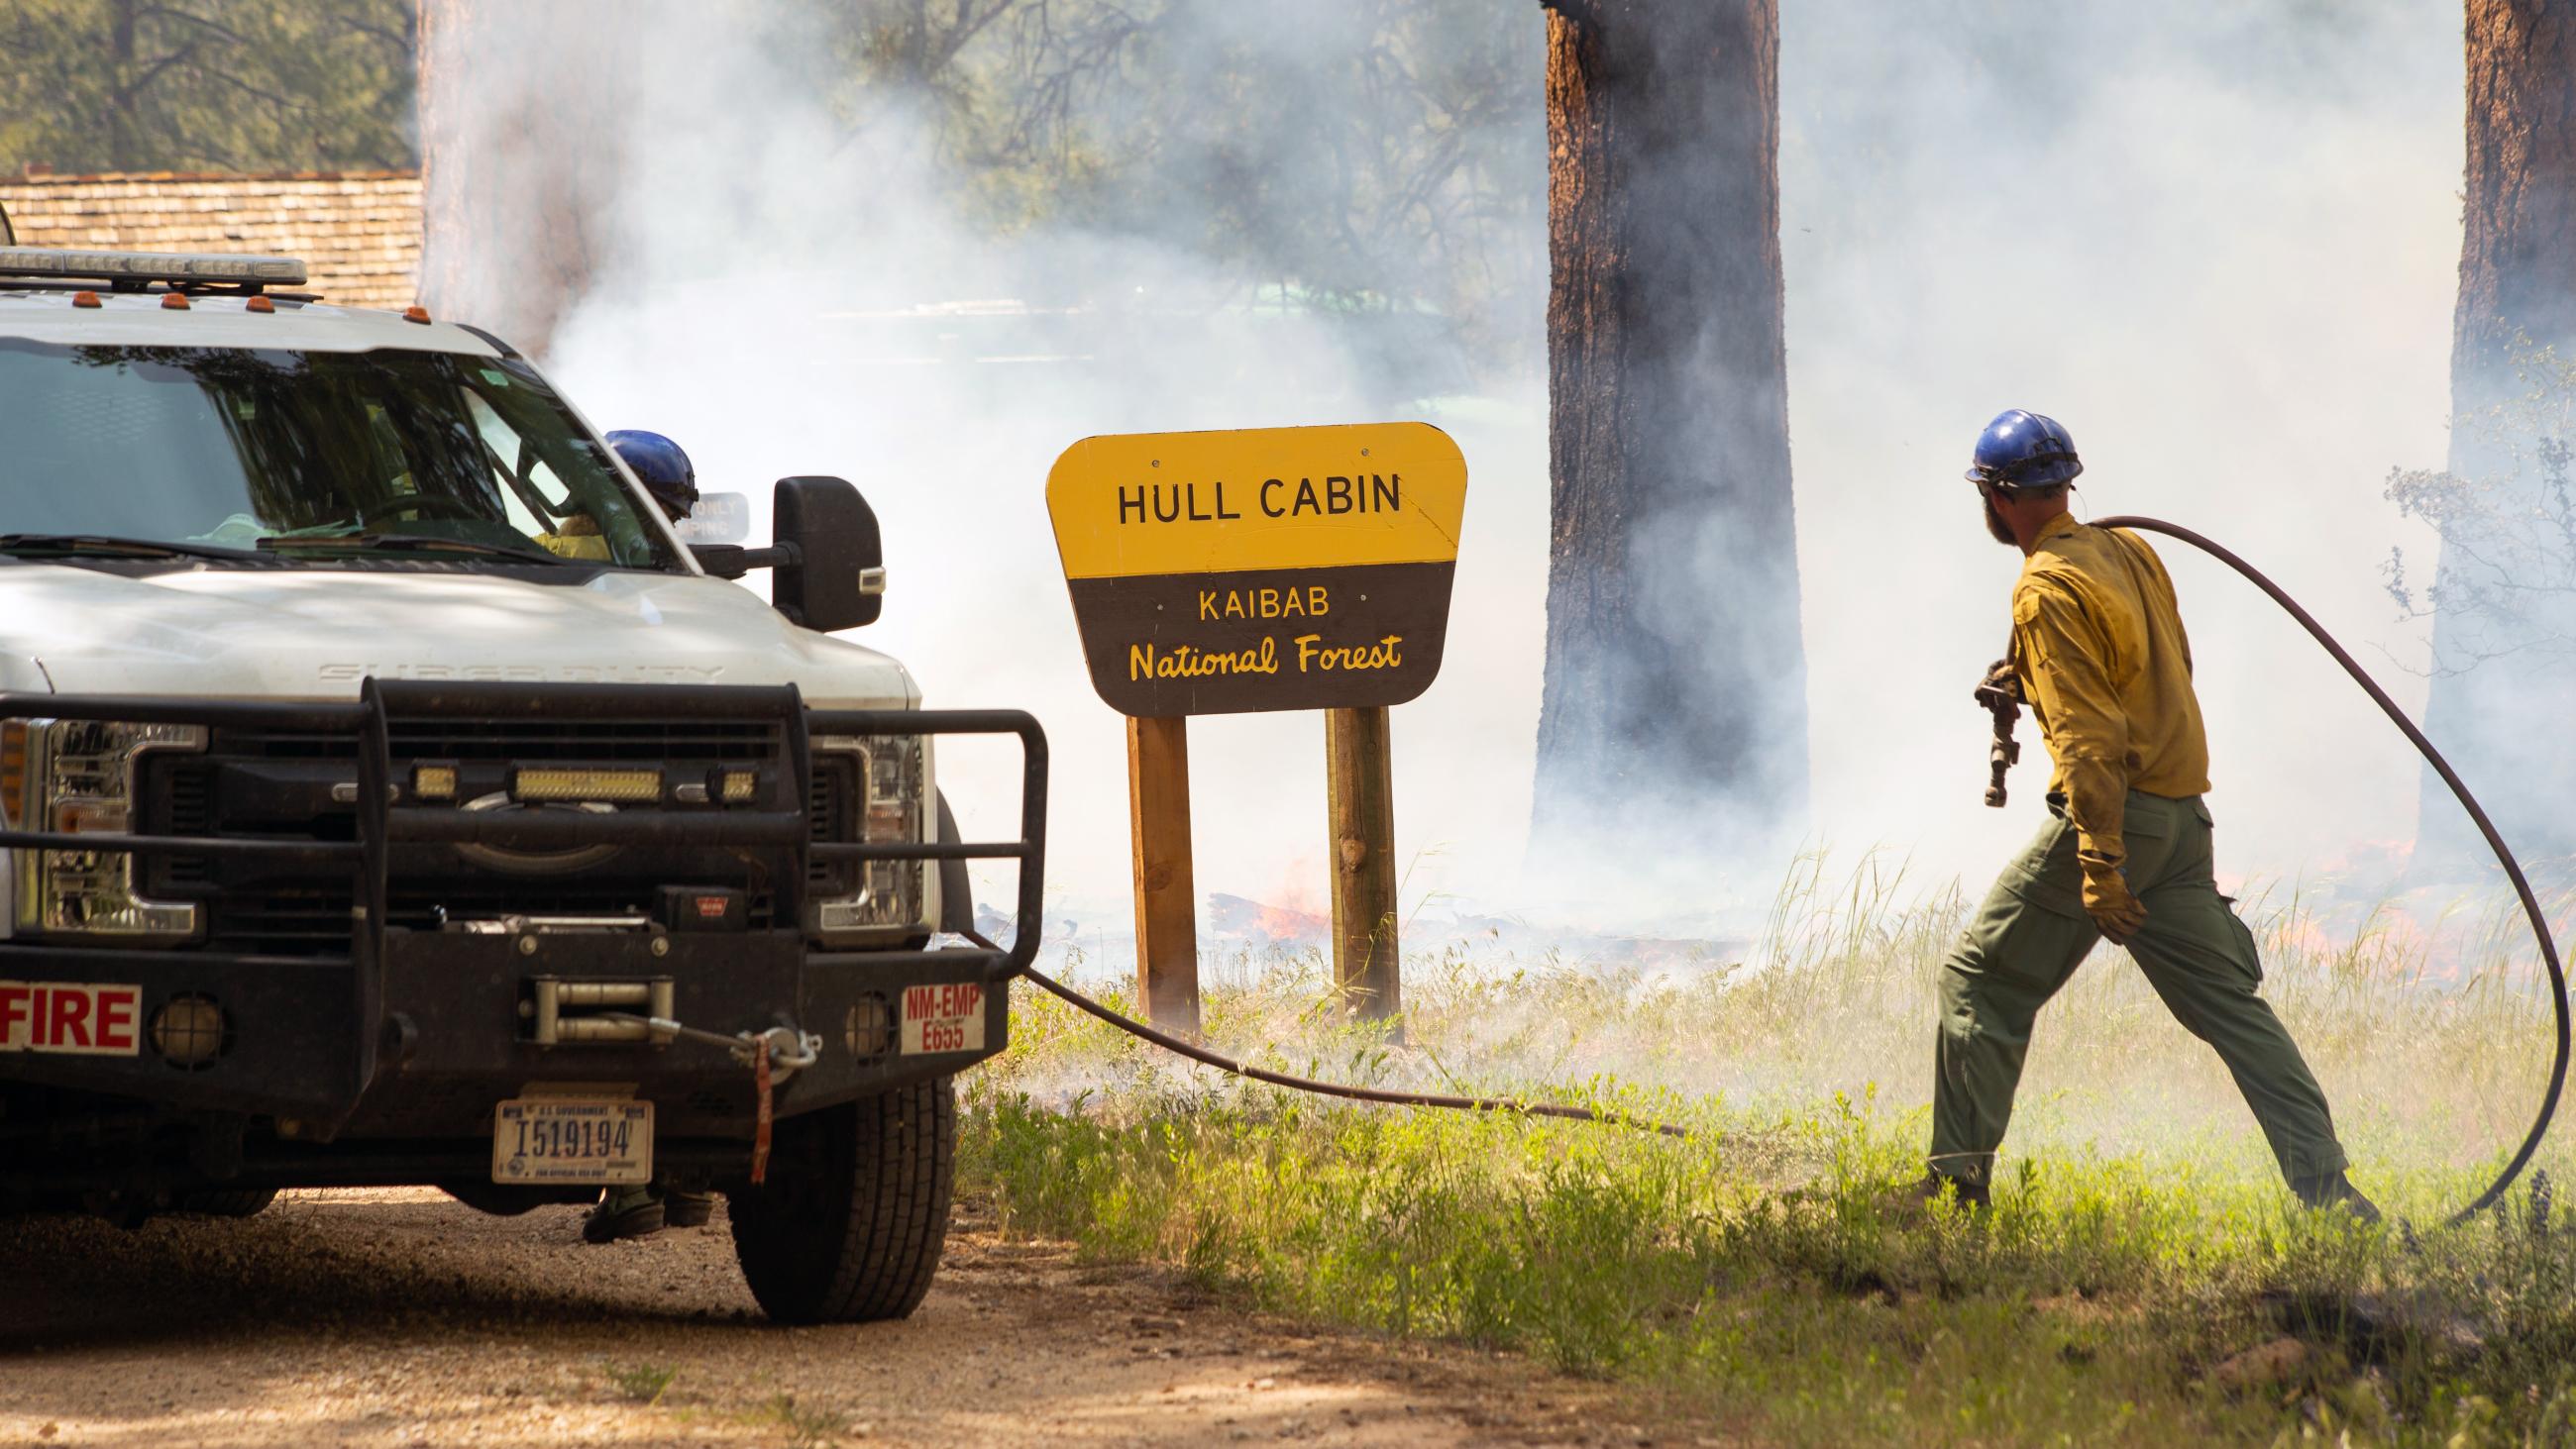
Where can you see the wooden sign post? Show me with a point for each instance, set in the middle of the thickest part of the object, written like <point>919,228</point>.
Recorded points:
<point>1167,902</point>
<point>1270,569</point>
<point>1359,791</point>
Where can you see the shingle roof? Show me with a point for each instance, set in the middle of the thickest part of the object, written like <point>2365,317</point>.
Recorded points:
<point>359,231</point>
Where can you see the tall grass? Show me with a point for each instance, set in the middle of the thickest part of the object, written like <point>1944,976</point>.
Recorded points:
<point>1761,1271</point>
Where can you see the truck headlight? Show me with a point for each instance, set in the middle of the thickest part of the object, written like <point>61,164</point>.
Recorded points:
<point>888,785</point>
<point>77,777</point>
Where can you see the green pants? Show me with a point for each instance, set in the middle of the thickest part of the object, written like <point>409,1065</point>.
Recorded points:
<point>2032,933</point>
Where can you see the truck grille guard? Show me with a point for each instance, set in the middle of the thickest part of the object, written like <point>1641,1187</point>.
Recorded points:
<point>778,827</point>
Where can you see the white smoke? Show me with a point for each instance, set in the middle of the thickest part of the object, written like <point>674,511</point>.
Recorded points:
<point>2221,250</point>
<point>793,300</point>
<point>2220,243</point>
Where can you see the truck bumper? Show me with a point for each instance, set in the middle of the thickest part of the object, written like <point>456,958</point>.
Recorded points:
<point>416,1033</point>
<point>456,1031</point>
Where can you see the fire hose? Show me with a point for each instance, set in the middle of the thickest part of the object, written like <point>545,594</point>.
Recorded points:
<point>782,1051</point>
<point>2477,815</point>
<point>1170,1043</point>
<point>2004,754</point>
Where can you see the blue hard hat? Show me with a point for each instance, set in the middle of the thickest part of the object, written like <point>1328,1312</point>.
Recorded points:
<point>2021,449</point>
<point>661,467</point>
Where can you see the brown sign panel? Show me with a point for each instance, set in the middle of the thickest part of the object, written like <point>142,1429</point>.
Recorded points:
<point>1280,568</point>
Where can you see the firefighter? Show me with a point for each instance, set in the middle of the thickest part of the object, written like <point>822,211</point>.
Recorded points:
<point>661,467</point>
<point>2099,654</point>
<point>632,1212</point>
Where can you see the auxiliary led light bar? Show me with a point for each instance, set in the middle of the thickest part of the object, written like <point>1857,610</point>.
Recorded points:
<point>70,265</point>
<point>559,784</point>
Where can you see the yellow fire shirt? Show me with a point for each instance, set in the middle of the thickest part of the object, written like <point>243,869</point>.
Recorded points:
<point>579,539</point>
<point>2099,646</point>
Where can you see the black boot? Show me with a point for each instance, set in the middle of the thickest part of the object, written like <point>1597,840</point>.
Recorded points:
<point>683,1209</point>
<point>623,1212</point>
<point>2334,1190</point>
<point>1936,1185</point>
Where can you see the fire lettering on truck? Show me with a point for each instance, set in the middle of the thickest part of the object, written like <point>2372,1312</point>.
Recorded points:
<point>944,1018</point>
<point>74,1018</point>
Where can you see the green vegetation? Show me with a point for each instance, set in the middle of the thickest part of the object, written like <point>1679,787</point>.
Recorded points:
<point>2143,1278</point>
<point>1381,158</point>
<point>804,1426</point>
<point>201,85</point>
<point>642,1383</point>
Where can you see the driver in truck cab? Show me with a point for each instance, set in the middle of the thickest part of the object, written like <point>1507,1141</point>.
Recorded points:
<point>658,464</point>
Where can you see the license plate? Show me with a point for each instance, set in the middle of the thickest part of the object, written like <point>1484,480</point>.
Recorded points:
<point>943,1018</point>
<point>572,1140</point>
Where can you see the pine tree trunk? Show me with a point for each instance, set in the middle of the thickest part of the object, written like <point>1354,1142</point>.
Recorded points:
<point>1675,693</point>
<point>2505,718</point>
<point>2517,268</point>
<point>124,130</point>
<point>524,112</point>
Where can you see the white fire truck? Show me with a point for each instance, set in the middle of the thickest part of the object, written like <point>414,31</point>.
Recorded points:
<point>356,830</point>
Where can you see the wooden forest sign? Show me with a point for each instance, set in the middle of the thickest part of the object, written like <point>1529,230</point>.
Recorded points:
<point>1266,569</point>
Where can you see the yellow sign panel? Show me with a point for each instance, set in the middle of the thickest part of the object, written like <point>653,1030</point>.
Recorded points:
<point>1274,568</point>
<point>1260,498</point>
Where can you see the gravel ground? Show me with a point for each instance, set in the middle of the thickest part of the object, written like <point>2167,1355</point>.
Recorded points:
<point>400,1318</point>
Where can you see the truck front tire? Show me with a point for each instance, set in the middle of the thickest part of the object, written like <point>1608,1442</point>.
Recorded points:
<point>956,892</point>
<point>224,1202</point>
<point>850,1224</point>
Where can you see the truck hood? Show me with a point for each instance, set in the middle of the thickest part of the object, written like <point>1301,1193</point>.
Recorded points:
<point>317,633</point>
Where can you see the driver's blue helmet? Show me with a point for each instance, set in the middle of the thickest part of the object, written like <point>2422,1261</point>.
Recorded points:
<point>2021,449</point>
<point>661,467</point>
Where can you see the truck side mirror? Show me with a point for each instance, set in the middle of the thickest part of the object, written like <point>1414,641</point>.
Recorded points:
<point>829,558</point>
<point>831,565</point>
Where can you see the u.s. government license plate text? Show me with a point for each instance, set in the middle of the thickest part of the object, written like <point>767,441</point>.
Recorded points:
<point>572,1140</point>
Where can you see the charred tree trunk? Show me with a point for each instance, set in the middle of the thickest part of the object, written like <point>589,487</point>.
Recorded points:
<point>1675,695</point>
<point>2504,719</point>
<point>524,114</point>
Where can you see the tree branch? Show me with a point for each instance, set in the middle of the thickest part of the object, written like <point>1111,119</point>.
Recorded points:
<point>965,24</point>
<point>167,13</point>
<point>143,82</point>
<point>389,36</point>
<point>285,103</point>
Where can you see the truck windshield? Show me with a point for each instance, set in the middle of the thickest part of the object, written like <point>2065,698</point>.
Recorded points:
<point>430,456</point>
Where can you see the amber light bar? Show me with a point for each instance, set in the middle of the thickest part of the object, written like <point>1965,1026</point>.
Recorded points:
<point>67,263</point>
<point>542,783</point>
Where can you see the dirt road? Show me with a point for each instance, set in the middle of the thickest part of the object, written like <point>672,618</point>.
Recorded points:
<point>400,1318</point>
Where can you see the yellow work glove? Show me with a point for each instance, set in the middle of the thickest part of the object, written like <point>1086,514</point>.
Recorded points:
<point>2108,902</point>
